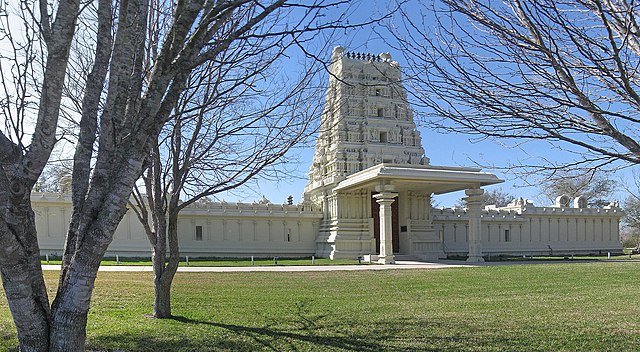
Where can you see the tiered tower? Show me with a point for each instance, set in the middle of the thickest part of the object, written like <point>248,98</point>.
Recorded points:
<point>366,122</point>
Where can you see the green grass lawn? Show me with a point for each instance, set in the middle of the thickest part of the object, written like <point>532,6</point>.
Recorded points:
<point>542,307</point>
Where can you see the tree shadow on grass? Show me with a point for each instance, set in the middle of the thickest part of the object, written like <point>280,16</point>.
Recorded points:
<point>274,339</point>
<point>308,334</point>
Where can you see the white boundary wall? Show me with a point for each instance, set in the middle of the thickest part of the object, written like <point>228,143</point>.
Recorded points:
<point>533,230</point>
<point>227,229</point>
<point>243,230</point>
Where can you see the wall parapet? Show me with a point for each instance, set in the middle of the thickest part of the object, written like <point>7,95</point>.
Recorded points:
<point>516,213</point>
<point>616,212</point>
<point>209,208</point>
<point>270,207</point>
<point>259,210</point>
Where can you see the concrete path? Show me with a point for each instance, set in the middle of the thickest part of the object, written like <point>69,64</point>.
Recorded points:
<point>290,268</point>
<point>400,264</point>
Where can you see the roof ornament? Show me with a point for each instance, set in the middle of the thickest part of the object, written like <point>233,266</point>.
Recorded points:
<point>264,200</point>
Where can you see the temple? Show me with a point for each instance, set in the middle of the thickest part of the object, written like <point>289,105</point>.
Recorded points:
<point>370,174</point>
<point>368,195</point>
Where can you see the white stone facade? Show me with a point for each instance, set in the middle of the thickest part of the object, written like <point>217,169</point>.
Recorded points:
<point>243,230</point>
<point>366,119</point>
<point>369,193</point>
<point>531,230</point>
<point>369,147</point>
<point>204,230</point>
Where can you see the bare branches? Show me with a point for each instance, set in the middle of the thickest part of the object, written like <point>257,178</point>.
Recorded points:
<point>563,72</point>
<point>9,151</point>
<point>90,103</point>
<point>19,63</point>
<point>22,276</point>
<point>229,112</point>
<point>45,26</point>
<point>595,186</point>
<point>57,56</point>
<point>200,67</point>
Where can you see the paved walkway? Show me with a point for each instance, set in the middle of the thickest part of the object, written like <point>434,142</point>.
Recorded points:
<point>401,264</point>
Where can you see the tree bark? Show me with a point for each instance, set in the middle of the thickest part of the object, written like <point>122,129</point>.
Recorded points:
<point>19,251</point>
<point>132,115</point>
<point>162,294</point>
<point>162,298</point>
<point>71,306</point>
<point>164,272</point>
<point>165,269</point>
<point>23,282</point>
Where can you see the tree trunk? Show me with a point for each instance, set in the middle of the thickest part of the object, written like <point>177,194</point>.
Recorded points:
<point>69,314</point>
<point>161,291</point>
<point>165,270</point>
<point>22,278</point>
<point>162,299</point>
<point>68,330</point>
<point>71,306</point>
<point>19,251</point>
<point>28,307</point>
<point>163,278</point>
<point>29,315</point>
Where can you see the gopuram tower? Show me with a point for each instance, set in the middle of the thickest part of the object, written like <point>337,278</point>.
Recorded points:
<point>366,120</point>
<point>369,172</point>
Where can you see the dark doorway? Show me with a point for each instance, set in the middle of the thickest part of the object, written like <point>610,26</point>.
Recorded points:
<point>395,228</point>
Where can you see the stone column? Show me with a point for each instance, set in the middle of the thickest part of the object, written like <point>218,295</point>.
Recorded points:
<point>474,207</point>
<point>386,240</point>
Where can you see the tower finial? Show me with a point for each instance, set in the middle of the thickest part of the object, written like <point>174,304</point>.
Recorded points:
<point>338,52</point>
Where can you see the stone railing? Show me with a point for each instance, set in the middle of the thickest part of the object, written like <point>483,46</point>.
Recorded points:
<point>516,213</point>
<point>251,208</point>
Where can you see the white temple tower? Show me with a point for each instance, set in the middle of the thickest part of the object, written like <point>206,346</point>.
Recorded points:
<point>369,172</point>
<point>366,120</point>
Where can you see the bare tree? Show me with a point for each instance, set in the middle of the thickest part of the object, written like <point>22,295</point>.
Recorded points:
<point>562,72</point>
<point>53,176</point>
<point>595,186</point>
<point>126,101</point>
<point>233,123</point>
<point>632,212</point>
<point>22,162</point>
<point>631,204</point>
<point>498,197</point>
<point>495,196</point>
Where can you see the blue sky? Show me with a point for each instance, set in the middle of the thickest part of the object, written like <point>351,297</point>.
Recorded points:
<point>442,149</point>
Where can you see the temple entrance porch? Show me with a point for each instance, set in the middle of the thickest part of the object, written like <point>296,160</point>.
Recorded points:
<point>399,211</point>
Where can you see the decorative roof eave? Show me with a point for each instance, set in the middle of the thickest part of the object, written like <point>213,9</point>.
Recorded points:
<point>442,179</point>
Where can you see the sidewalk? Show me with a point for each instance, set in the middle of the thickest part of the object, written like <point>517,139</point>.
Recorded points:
<point>401,264</point>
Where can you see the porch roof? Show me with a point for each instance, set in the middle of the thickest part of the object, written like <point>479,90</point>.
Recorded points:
<point>434,179</point>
